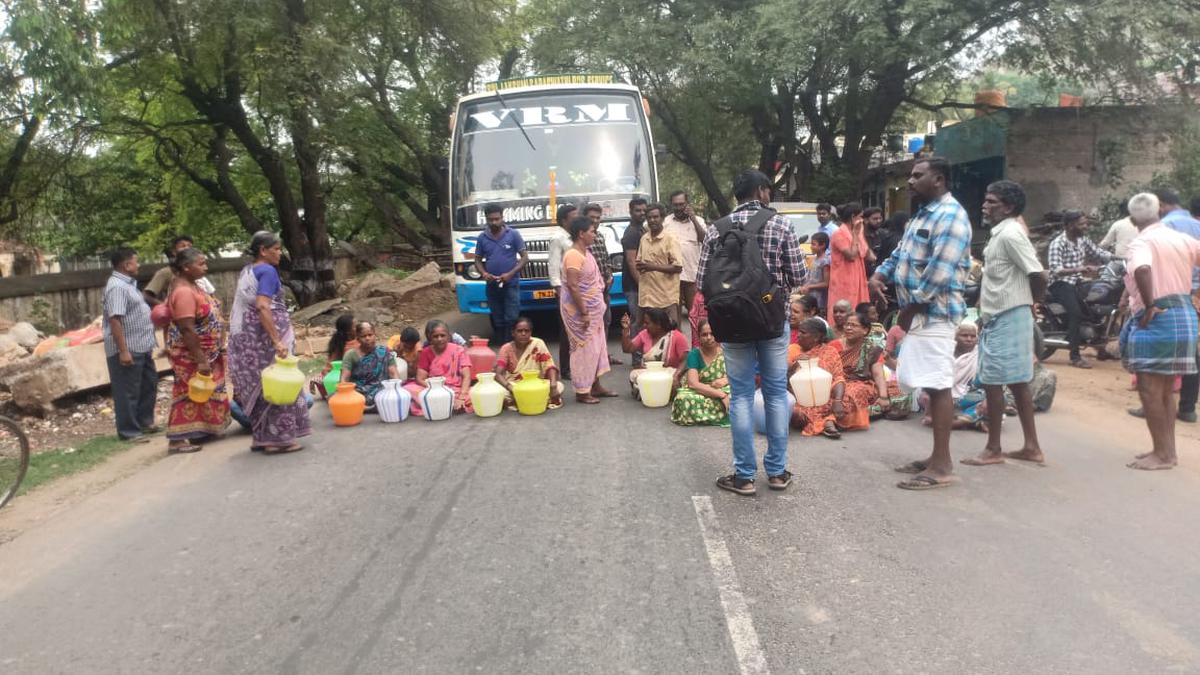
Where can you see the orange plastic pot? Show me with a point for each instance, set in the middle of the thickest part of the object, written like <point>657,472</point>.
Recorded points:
<point>347,405</point>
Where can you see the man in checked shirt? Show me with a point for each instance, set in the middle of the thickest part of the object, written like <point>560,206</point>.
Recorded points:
<point>929,269</point>
<point>1069,256</point>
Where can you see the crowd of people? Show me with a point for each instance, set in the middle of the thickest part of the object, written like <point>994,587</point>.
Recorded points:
<point>957,372</point>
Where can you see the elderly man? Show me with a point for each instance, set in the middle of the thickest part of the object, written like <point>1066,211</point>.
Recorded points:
<point>1158,343</point>
<point>1013,280</point>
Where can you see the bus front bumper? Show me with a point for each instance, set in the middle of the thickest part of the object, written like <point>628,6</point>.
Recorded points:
<point>536,295</point>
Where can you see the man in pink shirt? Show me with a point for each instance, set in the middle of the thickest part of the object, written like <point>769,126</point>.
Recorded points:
<point>1158,342</point>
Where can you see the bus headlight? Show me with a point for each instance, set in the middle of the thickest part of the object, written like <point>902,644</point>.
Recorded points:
<point>469,271</point>
<point>617,262</point>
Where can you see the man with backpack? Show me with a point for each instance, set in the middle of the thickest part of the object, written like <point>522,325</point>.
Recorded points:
<point>749,264</point>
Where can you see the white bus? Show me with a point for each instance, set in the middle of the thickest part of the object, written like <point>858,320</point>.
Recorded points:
<point>532,144</point>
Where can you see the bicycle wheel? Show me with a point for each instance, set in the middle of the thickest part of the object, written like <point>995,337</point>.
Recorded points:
<point>14,458</point>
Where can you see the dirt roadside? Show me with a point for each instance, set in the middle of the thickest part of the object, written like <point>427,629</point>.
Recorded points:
<point>1098,398</point>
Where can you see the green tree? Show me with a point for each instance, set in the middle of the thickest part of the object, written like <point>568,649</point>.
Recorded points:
<point>219,55</point>
<point>819,83</point>
<point>47,63</point>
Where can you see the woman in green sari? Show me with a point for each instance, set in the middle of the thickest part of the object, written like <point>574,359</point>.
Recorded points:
<point>705,399</point>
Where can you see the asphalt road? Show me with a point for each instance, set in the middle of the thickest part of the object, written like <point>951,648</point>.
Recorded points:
<point>571,543</point>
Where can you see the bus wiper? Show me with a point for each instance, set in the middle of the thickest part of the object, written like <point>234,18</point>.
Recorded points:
<point>517,120</point>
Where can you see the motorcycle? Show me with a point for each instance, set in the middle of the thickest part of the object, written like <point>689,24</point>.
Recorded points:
<point>1103,317</point>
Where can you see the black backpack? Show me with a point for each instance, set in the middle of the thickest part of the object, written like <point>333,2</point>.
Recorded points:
<point>745,303</point>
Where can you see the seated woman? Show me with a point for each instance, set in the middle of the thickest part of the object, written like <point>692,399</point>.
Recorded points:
<point>705,398</point>
<point>368,364</point>
<point>970,402</point>
<point>841,310</point>
<point>526,352</point>
<point>878,334</point>
<point>862,365</point>
<point>340,342</point>
<point>407,345</point>
<point>822,419</point>
<point>442,358</point>
<point>659,340</point>
<point>900,403</point>
<point>806,307</point>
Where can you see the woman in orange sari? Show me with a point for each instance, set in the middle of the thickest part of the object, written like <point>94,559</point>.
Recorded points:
<point>195,345</point>
<point>862,365</point>
<point>811,344</point>
<point>849,254</point>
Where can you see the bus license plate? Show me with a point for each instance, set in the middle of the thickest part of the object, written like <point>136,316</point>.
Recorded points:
<point>543,294</point>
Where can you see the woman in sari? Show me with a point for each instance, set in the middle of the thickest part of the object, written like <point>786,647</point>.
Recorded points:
<point>195,345</point>
<point>527,353</point>
<point>805,307</point>
<point>697,314</point>
<point>821,419</point>
<point>659,340</point>
<point>841,309</point>
<point>259,331</point>
<point>863,369</point>
<point>582,307</point>
<point>705,399</point>
<point>368,364</point>
<point>849,255</point>
<point>340,342</point>
<point>407,345</point>
<point>442,357</point>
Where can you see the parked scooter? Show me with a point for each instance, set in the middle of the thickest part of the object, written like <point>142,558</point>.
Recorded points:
<point>1102,315</point>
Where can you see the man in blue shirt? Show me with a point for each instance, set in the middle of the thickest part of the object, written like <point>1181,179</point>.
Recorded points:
<point>828,224</point>
<point>929,269</point>
<point>1174,216</point>
<point>499,256</point>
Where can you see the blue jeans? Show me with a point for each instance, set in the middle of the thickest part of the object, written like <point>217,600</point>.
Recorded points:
<point>134,393</point>
<point>767,358</point>
<point>505,305</point>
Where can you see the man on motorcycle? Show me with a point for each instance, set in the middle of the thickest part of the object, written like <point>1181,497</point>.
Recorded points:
<point>1069,255</point>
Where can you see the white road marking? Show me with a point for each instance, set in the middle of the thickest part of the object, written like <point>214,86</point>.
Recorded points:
<point>750,656</point>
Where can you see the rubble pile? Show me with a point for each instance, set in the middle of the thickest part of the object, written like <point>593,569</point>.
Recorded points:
<point>38,372</point>
<point>388,302</point>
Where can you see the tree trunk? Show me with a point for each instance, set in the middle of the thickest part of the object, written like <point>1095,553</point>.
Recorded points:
<point>690,156</point>
<point>12,167</point>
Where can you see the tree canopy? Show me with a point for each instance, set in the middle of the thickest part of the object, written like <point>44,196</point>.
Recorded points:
<point>128,120</point>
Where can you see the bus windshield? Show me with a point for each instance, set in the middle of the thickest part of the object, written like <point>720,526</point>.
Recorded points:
<point>594,144</point>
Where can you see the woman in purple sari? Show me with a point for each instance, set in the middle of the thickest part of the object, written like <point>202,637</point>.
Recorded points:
<point>259,331</point>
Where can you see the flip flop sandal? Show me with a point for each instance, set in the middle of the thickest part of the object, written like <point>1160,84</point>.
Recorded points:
<point>549,406</point>
<point>831,433</point>
<point>924,483</point>
<point>589,400</point>
<point>183,449</point>
<point>786,477</point>
<point>914,467</point>
<point>295,447</point>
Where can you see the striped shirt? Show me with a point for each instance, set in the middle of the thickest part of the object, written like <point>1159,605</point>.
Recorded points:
<point>1008,260</point>
<point>930,264</point>
<point>1065,254</point>
<point>123,300</point>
